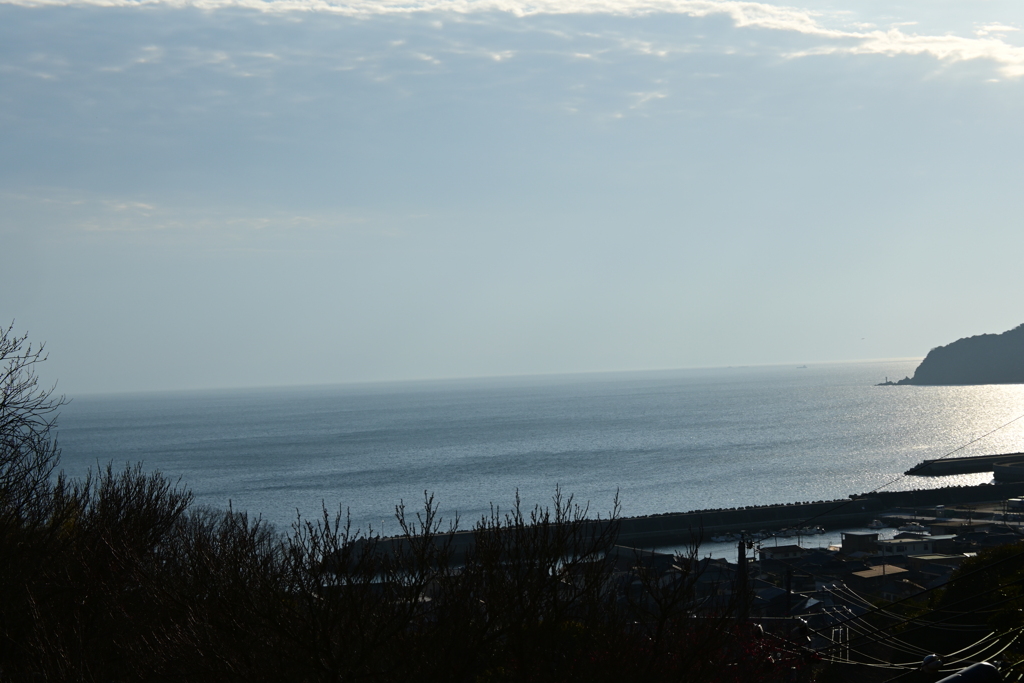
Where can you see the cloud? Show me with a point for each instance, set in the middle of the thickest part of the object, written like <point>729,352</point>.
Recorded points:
<point>643,98</point>
<point>995,28</point>
<point>986,43</point>
<point>946,48</point>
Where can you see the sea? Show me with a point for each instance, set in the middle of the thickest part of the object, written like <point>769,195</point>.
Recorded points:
<point>657,442</point>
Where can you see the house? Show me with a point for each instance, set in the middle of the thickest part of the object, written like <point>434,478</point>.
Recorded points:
<point>783,552</point>
<point>859,542</point>
<point>958,527</point>
<point>872,580</point>
<point>905,546</point>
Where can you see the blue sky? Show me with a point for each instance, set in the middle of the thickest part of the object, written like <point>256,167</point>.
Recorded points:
<point>244,193</point>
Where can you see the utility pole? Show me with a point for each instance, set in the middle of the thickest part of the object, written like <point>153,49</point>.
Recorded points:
<point>741,579</point>
<point>789,592</point>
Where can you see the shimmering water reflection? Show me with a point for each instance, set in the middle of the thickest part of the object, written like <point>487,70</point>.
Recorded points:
<point>666,441</point>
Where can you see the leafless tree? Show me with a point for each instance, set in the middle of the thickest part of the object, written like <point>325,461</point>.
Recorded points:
<point>28,413</point>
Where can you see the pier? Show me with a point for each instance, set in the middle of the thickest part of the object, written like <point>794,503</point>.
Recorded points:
<point>1006,467</point>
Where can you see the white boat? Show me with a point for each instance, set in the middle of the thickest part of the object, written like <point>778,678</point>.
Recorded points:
<point>876,524</point>
<point>913,526</point>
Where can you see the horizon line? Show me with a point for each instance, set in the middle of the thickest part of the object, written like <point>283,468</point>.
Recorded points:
<point>472,378</point>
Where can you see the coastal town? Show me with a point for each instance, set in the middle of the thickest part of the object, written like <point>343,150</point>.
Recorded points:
<point>870,588</point>
<point>875,605</point>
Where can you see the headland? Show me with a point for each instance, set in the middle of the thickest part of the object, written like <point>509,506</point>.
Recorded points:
<point>982,359</point>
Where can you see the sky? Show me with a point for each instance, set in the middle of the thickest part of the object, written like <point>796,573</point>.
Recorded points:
<point>236,193</point>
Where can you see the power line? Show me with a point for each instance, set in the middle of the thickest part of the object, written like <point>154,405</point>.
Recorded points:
<point>952,580</point>
<point>843,588</point>
<point>954,615</point>
<point>883,609</point>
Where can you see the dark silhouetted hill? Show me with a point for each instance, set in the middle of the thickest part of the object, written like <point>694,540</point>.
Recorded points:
<point>983,359</point>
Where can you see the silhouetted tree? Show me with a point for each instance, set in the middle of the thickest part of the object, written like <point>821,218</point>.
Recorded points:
<point>28,413</point>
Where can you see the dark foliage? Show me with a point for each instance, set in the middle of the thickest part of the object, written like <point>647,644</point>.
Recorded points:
<point>987,589</point>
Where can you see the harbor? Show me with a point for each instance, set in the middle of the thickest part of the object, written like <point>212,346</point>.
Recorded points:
<point>786,519</point>
<point>856,511</point>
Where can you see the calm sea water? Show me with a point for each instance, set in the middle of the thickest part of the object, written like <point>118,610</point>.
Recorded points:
<point>666,441</point>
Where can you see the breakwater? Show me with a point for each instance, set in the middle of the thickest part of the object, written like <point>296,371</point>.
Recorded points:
<point>699,525</point>
<point>942,467</point>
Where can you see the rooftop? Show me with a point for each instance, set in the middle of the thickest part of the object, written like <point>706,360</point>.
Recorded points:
<point>880,570</point>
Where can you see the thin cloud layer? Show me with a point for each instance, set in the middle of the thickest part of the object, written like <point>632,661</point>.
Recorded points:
<point>987,42</point>
<point>531,185</point>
